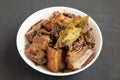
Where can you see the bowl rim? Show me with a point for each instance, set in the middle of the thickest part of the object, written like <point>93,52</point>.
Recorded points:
<point>62,74</point>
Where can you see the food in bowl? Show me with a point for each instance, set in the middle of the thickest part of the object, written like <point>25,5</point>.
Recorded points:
<point>63,42</point>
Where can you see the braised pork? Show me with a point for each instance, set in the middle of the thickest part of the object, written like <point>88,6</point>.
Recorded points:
<point>55,60</point>
<point>33,31</point>
<point>76,59</point>
<point>36,51</point>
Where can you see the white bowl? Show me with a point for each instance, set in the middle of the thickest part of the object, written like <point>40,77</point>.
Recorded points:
<point>45,13</point>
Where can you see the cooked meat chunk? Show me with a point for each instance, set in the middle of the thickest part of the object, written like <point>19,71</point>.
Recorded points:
<point>30,35</point>
<point>55,60</point>
<point>53,21</point>
<point>76,59</point>
<point>90,59</point>
<point>36,50</point>
<point>36,55</point>
<point>33,31</point>
<point>89,37</point>
<point>58,20</point>
<point>43,39</point>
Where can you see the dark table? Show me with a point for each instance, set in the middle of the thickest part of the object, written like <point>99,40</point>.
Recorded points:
<point>105,12</point>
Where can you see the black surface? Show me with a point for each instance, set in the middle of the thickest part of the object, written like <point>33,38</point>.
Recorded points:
<point>105,12</point>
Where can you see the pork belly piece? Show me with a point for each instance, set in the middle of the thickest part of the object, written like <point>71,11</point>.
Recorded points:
<point>58,20</point>
<point>33,30</point>
<point>36,51</point>
<point>55,60</point>
<point>42,40</point>
<point>76,59</point>
<point>36,55</point>
<point>52,22</point>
